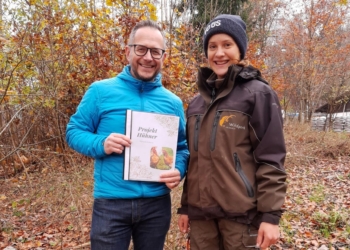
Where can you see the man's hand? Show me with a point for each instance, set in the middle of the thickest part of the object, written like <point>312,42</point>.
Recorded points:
<point>115,143</point>
<point>268,234</point>
<point>171,178</point>
<point>183,223</point>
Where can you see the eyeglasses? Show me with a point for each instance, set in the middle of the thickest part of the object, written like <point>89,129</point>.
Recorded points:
<point>141,50</point>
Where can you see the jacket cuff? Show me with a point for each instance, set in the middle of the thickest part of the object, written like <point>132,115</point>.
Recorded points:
<point>182,210</point>
<point>272,217</point>
<point>101,147</point>
<point>182,174</point>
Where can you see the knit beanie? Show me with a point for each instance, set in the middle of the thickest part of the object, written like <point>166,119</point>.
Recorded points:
<point>231,25</point>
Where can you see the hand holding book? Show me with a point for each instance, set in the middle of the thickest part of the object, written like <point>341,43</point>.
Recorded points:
<point>115,143</point>
<point>171,178</point>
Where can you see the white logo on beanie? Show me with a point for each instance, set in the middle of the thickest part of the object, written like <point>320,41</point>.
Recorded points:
<point>212,25</point>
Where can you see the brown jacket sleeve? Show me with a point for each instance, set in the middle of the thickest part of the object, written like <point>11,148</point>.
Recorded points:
<point>269,153</point>
<point>184,208</point>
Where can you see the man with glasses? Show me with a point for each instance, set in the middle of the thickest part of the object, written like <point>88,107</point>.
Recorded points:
<point>128,209</point>
<point>141,50</point>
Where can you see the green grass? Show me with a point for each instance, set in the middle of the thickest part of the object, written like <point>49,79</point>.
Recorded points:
<point>317,194</point>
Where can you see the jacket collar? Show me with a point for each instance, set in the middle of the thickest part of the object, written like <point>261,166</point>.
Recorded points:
<point>137,83</point>
<point>235,74</point>
<point>206,76</point>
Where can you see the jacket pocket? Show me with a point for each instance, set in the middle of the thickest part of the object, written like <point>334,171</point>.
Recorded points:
<point>214,129</point>
<point>249,237</point>
<point>244,178</point>
<point>196,132</point>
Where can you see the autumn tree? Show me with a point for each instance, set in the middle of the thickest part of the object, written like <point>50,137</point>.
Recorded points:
<point>53,51</point>
<point>262,17</point>
<point>202,11</point>
<point>313,44</point>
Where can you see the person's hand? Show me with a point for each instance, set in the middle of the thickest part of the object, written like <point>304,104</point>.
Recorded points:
<point>183,223</point>
<point>171,178</point>
<point>268,234</point>
<point>115,143</point>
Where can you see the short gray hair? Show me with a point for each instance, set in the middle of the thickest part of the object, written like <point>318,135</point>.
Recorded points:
<point>145,24</point>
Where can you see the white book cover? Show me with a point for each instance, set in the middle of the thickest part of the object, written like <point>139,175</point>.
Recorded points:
<point>153,145</point>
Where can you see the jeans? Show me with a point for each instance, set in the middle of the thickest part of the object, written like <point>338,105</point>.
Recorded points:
<point>116,221</point>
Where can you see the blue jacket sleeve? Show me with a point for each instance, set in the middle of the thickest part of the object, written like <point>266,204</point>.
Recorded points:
<point>81,128</point>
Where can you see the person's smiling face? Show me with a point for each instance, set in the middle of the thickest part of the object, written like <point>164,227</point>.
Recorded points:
<point>222,52</point>
<point>145,67</point>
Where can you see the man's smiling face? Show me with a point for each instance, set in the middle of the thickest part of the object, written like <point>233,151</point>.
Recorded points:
<point>145,67</point>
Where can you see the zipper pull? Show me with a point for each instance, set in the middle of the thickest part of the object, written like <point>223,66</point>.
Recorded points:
<point>212,95</point>
<point>237,163</point>
<point>197,121</point>
<point>216,118</point>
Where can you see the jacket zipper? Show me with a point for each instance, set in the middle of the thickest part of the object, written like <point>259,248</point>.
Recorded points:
<point>239,170</point>
<point>213,132</point>
<point>212,96</point>
<point>141,95</point>
<point>196,133</point>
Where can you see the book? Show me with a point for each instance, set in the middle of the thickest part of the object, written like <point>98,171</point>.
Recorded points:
<point>153,145</point>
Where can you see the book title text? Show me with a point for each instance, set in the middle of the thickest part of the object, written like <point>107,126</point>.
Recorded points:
<point>147,133</point>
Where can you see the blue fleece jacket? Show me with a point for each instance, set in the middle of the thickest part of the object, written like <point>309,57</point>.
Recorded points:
<point>102,112</point>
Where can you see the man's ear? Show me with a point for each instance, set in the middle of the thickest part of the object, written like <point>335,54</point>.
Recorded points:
<point>164,56</point>
<point>127,52</point>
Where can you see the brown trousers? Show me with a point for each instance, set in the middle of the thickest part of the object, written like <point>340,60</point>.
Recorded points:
<point>221,234</point>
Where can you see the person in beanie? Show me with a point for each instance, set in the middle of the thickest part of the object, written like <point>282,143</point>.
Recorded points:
<point>236,182</point>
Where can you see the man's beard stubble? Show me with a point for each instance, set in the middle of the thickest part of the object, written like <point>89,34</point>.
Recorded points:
<point>145,79</point>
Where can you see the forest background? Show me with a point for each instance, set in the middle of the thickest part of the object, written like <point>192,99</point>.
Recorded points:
<point>52,50</point>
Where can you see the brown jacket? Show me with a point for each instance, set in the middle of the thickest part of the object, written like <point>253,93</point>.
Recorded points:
<point>237,150</point>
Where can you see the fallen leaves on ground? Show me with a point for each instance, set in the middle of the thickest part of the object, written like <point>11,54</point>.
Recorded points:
<point>53,211</point>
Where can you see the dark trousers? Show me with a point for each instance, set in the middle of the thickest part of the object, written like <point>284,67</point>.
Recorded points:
<point>221,234</point>
<point>116,221</point>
